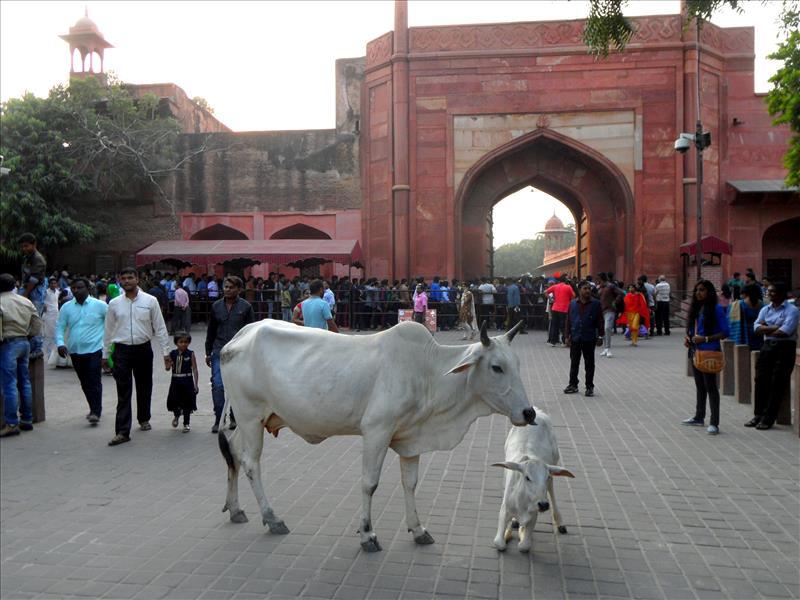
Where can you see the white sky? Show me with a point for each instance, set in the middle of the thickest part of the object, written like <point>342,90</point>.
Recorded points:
<point>270,65</point>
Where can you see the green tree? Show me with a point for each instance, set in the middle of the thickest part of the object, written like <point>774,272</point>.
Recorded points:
<point>512,260</point>
<point>783,99</point>
<point>85,142</point>
<point>606,27</point>
<point>203,103</point>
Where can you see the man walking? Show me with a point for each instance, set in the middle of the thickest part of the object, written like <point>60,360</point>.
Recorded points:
<point>585,330</point>
<point>562,295</point>
<point>317,312</point>
<point>513,302</point>
<point>132,321</point>
<point>19,321</point>
<point>609,295</point>
<point>228,315</point>
<point>84,317</point>
<point>663,293</point>
<point>777,322</point>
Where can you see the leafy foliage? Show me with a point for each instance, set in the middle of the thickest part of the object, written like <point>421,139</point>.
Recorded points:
<point>607,25</point>
<point>783,99</point>
<point>203,103</point>
<point>511,260</point>
<point>84,142</point>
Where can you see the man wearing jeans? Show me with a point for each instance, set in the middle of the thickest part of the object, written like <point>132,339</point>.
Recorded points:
<point>19,321</point>
<point>132,321</point>
<point>227,317</point>
<point>609,293</point>
<point>84,317</point>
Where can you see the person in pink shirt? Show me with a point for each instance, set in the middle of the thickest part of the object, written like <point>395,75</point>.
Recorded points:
<point>420,304</point>
<point>562,296</point>
<point>181,315</point>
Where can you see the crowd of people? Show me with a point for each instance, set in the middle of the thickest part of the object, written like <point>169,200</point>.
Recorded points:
<point>107,323</point>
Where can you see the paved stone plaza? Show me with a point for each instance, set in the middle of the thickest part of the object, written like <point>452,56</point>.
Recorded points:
<point>657,510</point>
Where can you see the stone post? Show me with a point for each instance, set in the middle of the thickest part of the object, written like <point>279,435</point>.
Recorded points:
<point>796,399</point>
<point>36,370</point>
<point>753,362</point>
<point>741,373</point>
<point>727,372</point>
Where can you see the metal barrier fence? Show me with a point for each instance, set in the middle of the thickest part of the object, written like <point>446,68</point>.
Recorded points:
<point>362,314</point>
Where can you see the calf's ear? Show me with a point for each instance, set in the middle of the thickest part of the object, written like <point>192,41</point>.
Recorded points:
<point>557,471</point>
<point>511,466</point>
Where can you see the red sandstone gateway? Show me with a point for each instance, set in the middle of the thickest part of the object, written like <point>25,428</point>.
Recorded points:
<point>456,118</point>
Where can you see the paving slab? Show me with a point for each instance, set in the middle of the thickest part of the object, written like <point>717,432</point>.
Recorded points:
<point>657,509</point>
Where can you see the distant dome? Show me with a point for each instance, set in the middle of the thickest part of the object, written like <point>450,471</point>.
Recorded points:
<point>554,223</point>
<point>85,23</point>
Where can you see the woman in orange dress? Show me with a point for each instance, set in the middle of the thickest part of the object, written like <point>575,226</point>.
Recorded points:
<point>636,312</point>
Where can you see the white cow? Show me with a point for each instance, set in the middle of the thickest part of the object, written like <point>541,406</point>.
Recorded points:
<point>532,462</point>
<point>397,389</point>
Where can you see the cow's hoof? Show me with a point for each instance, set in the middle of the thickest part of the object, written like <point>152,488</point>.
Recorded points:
<point>562,529</point>
<point>525,549</point>
<point>238,517</point>
<point>424,539</point>
<point>500,547</point>
<point>371,545</point>
<point>278,528</point>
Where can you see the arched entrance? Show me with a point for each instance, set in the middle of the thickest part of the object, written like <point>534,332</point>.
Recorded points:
<point>591,186</point>
<point>219,231</point>
<point>781,252</point>
<point>300,231</point>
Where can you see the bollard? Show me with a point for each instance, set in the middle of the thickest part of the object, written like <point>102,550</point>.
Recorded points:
<point>753,364</point>
<point>36,370</point>
<point>727,372</point>
<point>741,373</point>
<point>796,399</point>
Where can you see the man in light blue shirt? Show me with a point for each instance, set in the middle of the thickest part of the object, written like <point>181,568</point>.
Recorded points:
<point>317,312</point>
<point>85,318</point>
<point>777,322</point>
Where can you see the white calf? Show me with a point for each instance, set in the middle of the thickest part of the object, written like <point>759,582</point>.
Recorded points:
<point>532,462</point>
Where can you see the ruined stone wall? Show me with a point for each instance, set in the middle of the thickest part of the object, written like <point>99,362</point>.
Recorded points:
<point>193,118</point>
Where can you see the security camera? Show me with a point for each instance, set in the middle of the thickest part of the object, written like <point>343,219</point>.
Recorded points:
<point>682,145</point>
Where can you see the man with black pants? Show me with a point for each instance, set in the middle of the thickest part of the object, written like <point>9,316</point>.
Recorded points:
<point>227,317</point>
<point>132,321</point>
<point>777,322</point>
<point>85,319</point>
<point>584,332</point>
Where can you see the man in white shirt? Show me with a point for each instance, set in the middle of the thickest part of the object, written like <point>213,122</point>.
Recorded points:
<point>329,297</point>
<point>133,319</point>
<point>662,305</point>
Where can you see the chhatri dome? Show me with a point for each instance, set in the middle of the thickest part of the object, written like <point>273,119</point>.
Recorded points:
<point>553,223</point>
<point>86,39</point>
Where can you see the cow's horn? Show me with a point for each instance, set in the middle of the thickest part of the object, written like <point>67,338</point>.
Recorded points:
<point>513,331</point>
<point>484,334</point>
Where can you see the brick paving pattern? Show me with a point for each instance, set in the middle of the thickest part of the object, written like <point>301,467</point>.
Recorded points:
<point>657,510</point>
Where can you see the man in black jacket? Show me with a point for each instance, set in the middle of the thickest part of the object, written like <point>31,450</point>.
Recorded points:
<point>228,315</point>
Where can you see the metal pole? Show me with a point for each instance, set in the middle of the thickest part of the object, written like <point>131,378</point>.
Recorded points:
<point>698,248</point>
<point>698,144</point>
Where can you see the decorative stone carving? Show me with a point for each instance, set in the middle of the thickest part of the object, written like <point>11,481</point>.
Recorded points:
<point>543,122</point>
<point>379,50</point>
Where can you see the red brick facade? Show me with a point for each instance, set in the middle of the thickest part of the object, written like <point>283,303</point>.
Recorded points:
<point>494,108</point>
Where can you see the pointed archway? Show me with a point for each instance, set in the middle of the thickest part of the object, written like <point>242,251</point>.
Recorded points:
<point>218,231</point>
<point>300,231</point>
<point>588,183</point>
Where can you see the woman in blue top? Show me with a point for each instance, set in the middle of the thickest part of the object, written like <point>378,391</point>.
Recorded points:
<point>742,317</point>
<point>708,324</point>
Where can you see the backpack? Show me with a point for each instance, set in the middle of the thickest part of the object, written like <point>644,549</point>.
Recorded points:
<point>619,302</point>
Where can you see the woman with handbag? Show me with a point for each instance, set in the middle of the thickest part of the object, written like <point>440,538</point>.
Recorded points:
<point>708,324</point>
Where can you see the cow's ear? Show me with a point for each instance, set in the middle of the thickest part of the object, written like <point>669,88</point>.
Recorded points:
<point>462,367</point>
<point>511,466</point>
<point>557,471</point>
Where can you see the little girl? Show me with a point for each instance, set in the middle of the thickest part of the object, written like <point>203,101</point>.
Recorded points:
<point>420,304</point>
<point>182,397</point>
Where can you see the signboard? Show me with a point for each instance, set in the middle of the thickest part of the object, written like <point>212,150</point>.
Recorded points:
<point>405,314</point>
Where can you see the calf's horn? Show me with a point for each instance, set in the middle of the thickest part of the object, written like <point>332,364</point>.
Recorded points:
<point>513,331</point>
<point>484,334</point>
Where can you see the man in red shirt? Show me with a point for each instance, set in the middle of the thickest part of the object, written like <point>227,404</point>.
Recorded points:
<point>562,295</point>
